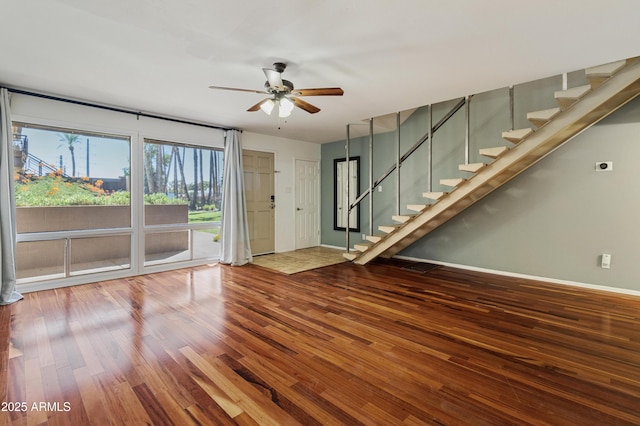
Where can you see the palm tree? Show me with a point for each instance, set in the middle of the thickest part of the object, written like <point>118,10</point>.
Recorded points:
<point>202,199</point>
<point>70,139</point>
<point>181,168</point>
<point>211,179</point>
<point>194,200</point>
<point>150,175</point>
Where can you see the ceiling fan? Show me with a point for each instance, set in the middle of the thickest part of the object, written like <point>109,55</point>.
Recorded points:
<point>283,94</point>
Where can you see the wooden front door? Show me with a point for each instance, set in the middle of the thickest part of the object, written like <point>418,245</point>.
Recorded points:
<point>259,192</point>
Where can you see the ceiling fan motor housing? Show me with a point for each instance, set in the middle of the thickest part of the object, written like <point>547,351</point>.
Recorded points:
<point>279,67</point>
<point>288,87</point>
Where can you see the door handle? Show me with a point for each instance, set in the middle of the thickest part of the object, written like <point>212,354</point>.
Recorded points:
<point>299,209</point>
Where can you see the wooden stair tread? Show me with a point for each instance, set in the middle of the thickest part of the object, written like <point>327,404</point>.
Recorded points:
<point>494,152</point>
<point>601,73</point>
<point>542,117</point>
<point>452,182</point>
<point>605,70</point>
<point>402,218</point>
<point>566,98</point>
<point>434,195</point>
<point>349,256</point>
<point>472,168</point>
<point>364,246</point>
<point>517,135</point>
<point>387,229</point>
<point>375,238</point>
<point>417,207</point>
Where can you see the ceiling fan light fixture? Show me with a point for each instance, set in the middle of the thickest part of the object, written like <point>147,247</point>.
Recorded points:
<point>267,106</point>
<point>286,106</point>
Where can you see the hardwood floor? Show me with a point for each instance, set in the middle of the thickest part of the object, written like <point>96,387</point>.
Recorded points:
<point>344,344</point>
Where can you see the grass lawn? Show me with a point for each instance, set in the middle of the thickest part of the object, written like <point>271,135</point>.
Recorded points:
<point>204,216</point>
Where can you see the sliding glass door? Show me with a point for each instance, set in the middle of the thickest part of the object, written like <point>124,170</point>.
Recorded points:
<point>182,196</point>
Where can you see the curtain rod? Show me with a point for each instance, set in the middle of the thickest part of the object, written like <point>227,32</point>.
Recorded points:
<point>114,109</point>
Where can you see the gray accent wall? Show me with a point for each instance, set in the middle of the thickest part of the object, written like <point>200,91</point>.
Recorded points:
<point>557,218</point>
<point>552,221</point>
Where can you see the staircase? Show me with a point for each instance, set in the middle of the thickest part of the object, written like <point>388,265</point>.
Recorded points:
<point>610,87</point>
<point>38,167</point>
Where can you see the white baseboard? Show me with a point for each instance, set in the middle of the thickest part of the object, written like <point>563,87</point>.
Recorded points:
<point>333,247</point>
<point>525,276</point>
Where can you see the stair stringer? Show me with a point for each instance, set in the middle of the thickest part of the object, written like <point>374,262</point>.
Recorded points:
<point>593,107</point>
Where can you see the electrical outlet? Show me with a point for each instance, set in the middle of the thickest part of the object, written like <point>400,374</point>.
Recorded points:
<point>604,166</point>
<point>380,188</point>
<point>606,261</point>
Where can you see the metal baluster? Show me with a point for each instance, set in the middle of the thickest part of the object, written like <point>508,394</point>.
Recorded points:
<point>347,202</point>
<point>398,163</point>
<point>467,101</point>
<point>430,149</point>
<point>511,108</point>
<point>371,176</point>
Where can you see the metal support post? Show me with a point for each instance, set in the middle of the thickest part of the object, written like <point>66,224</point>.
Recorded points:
<point>398,163</point>
<point>347,202</point>
<point>511,108</point>
<point>467,110</point>
<point>430,149</point>
<point>371,190</point>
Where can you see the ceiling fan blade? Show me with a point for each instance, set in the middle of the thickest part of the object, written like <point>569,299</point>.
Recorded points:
<point>237,90</point>
<point>326,91</point>
<point>311,109</point>
<point>274,78</point>
<point>257,106</point>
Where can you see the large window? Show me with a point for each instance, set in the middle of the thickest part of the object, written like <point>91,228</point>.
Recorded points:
<point>73,212</point>
<point>182,196</point>
<point>83,207</point>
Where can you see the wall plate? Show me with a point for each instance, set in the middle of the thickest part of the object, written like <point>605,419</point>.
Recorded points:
<point>604,166</point>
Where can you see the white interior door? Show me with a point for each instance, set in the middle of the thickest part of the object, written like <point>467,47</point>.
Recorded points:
<point>307,203</point>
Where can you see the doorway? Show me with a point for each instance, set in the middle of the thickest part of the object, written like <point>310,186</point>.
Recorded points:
<point>259,193</point>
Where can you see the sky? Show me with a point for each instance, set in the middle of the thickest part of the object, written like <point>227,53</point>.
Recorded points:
<point>108,156</point>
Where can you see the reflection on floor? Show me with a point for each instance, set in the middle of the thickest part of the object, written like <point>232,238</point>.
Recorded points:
<point>292,262</point>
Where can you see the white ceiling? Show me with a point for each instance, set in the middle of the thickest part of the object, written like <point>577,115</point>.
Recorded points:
<point>160,56</point>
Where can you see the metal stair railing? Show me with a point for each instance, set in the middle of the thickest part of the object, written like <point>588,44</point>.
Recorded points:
<point>399,160</point>
<point>43,168</point>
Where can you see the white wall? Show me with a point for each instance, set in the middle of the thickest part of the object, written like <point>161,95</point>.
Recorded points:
<point>286,152</point>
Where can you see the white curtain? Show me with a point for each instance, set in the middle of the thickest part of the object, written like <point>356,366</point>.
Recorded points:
<point>235,248</point>
<point>8,293</point>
